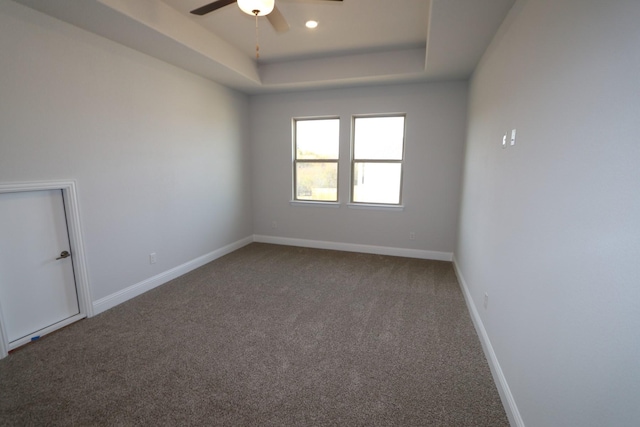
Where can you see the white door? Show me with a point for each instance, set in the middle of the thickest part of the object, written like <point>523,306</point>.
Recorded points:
<point>37,286</point>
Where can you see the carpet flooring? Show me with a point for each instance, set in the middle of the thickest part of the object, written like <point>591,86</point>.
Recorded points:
<point>267,336</point>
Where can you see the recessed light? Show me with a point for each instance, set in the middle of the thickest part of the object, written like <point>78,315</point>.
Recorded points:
<point>311,24</point>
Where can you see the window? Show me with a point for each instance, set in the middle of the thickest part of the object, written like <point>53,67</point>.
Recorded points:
<point>378,153</point>
<point>316,154</point>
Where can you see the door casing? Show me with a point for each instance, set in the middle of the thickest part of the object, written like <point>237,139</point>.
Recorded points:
<point>75,240</point>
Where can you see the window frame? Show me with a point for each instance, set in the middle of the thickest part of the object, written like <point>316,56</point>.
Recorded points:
<point>295,161</point>
<point>354,161</point>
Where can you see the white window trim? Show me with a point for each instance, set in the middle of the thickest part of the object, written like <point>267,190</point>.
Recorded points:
<point>314,203</point>
<point>376,206</point>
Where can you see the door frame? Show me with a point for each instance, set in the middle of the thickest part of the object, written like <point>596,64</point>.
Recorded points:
<point>76,240</point>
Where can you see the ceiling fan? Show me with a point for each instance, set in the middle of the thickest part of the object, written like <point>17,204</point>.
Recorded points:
<point>253,8</point>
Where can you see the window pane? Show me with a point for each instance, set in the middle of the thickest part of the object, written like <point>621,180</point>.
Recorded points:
<point>317,181</point>
<point>317,139</point>
<point>378,138</point>
<point>377,182</point>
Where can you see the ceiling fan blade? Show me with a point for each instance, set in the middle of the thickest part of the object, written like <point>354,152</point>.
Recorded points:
<point>207,8</point>
<point>278,21</point>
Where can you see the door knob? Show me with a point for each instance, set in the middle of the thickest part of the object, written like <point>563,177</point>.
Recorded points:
<point>64,254</point>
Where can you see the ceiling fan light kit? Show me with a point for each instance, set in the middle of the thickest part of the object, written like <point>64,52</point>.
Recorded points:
<point>264,8</point>
<point>256,7</point>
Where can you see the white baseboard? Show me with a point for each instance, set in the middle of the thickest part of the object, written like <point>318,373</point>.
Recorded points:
<point>132,291</point>
<point>351,247</point>
<point>509,403</point>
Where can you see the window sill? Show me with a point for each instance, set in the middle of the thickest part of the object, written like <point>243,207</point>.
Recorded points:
<point>314,203</point>
<point>375,207</point>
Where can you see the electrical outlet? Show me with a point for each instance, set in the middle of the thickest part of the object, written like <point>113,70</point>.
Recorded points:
<point>486,300</point>
<point>412,236</point>
<point>274,224</point>
<point>152,258</point>
<point>513,137</point>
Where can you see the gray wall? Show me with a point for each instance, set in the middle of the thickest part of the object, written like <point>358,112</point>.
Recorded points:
<point>436,114</point>
<point>160,155</point>
<point>550,228</point>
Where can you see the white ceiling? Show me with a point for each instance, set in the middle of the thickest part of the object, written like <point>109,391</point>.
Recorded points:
<point>356,42</point>
<point>344,27</point>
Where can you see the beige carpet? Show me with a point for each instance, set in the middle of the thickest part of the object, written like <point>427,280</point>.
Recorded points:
<point>267,336</point>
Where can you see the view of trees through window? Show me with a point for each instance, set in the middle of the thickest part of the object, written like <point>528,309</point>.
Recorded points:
<point>376,164</point>
<point>317,146</point>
